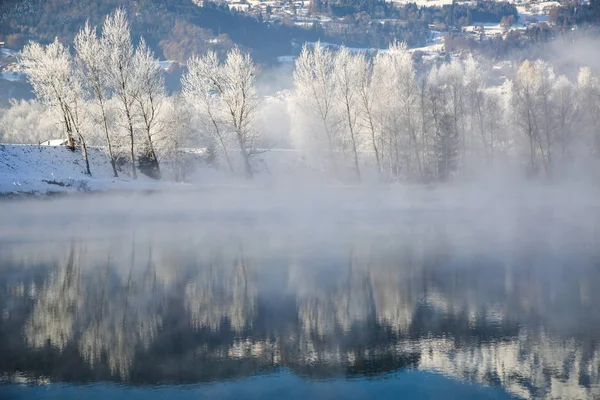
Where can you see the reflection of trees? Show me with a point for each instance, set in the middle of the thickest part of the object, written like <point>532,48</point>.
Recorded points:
<point>56,307</point>
<point>122,315</point>
<point>530,365</point>
<point>222,291</point>
<point>216,312</point>
<point>372,289</point>
<point>104,313</point>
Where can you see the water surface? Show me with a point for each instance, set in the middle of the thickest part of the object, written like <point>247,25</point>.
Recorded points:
<point>263,296</point>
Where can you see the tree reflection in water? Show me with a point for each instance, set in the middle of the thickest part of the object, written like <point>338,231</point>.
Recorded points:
<point>156,309</point>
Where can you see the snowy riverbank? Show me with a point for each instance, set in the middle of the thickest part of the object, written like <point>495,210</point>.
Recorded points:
<point>32,169</point>
<point>43,170</point>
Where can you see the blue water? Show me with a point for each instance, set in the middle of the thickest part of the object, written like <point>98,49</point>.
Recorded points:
<point>281,385</point>
<point>189,305</point>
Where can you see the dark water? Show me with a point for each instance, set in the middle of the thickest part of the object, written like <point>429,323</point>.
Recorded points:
<point>193,303</point>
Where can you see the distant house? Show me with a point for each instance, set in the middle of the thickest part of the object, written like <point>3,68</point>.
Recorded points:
<point>54,142</point>
<point>239,6</point>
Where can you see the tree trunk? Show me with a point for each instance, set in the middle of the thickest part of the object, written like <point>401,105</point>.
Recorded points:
<point>73,123</point>
<point>85,156</point>
<point>413,138</point>
<point>245,157</point>
<point>132,150</point>
<point>331,153</point>
<point>69,131</point>
<point>355,153</point>
<point>110,152</point>
<point>374,144</point>
<point>153,154</point>
<point>373,141</point>
<point>350,127</point>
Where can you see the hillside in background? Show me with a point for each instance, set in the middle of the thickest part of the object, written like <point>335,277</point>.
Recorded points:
<point>174,28</point>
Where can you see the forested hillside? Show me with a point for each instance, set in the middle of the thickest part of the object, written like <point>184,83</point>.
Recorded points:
<point>173,28</point>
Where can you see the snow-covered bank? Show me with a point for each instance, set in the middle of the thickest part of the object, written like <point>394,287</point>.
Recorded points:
<point>32,169</point>
<point>41,170</point>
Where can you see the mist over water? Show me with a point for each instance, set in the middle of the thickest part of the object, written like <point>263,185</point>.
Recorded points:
<point>485,285</point>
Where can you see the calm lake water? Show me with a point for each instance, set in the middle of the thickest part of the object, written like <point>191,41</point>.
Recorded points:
<point>195,297</point>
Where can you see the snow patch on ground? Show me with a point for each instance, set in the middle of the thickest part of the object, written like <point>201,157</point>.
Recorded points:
<point>535,11</point>
<point>35,169</point>
<point>47,169</point>
<point>435,44</point>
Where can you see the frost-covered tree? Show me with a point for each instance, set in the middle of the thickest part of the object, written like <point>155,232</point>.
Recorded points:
<point>494,124</point>
<point>239,97</point>
<point>27,122</point>
<point>532,111</point>
<point>171,145</point>
<point>116,39</point>
<point>524,104</point>
<point>424,126</point>
<point>50,71</point>
<point>451,80</point>
<point>227,100</point>
<point>396,72</point>
<point>368,88</point>
<point>546,136</point>
<point>149,98</point>
<point>445,145</point>
<point>348,70</point>
<point>91,61</point>
<point>198,92</point>
<point>588,89</point>
<point>566,117</point>
<point>316,124</point>
<point>475,102</point>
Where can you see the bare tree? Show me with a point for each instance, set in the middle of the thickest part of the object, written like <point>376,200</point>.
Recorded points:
<point>226,96</point>
<point>348,69</point>
<point>405,88</point>
<point>116,38</point>
<point>367,87</point>
<point>314,90</point>
<point>424,125</point>
<point>566,115</point>
<point>237,91</point>
<point>50,71</point>
<point>149,97</point>
<point>524,91</point>
<point>494,124</point>
<point>475,107</point>
<point>546,107</point>
<point>451,79</point>
<point>172,143</point>
<point>197,90</point>
<point>588,89</point>
<point>444,134</point>
<point>91,60</point>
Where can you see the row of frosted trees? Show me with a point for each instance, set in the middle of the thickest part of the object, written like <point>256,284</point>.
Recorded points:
<point>355,115</point>
<point>108,85</point>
